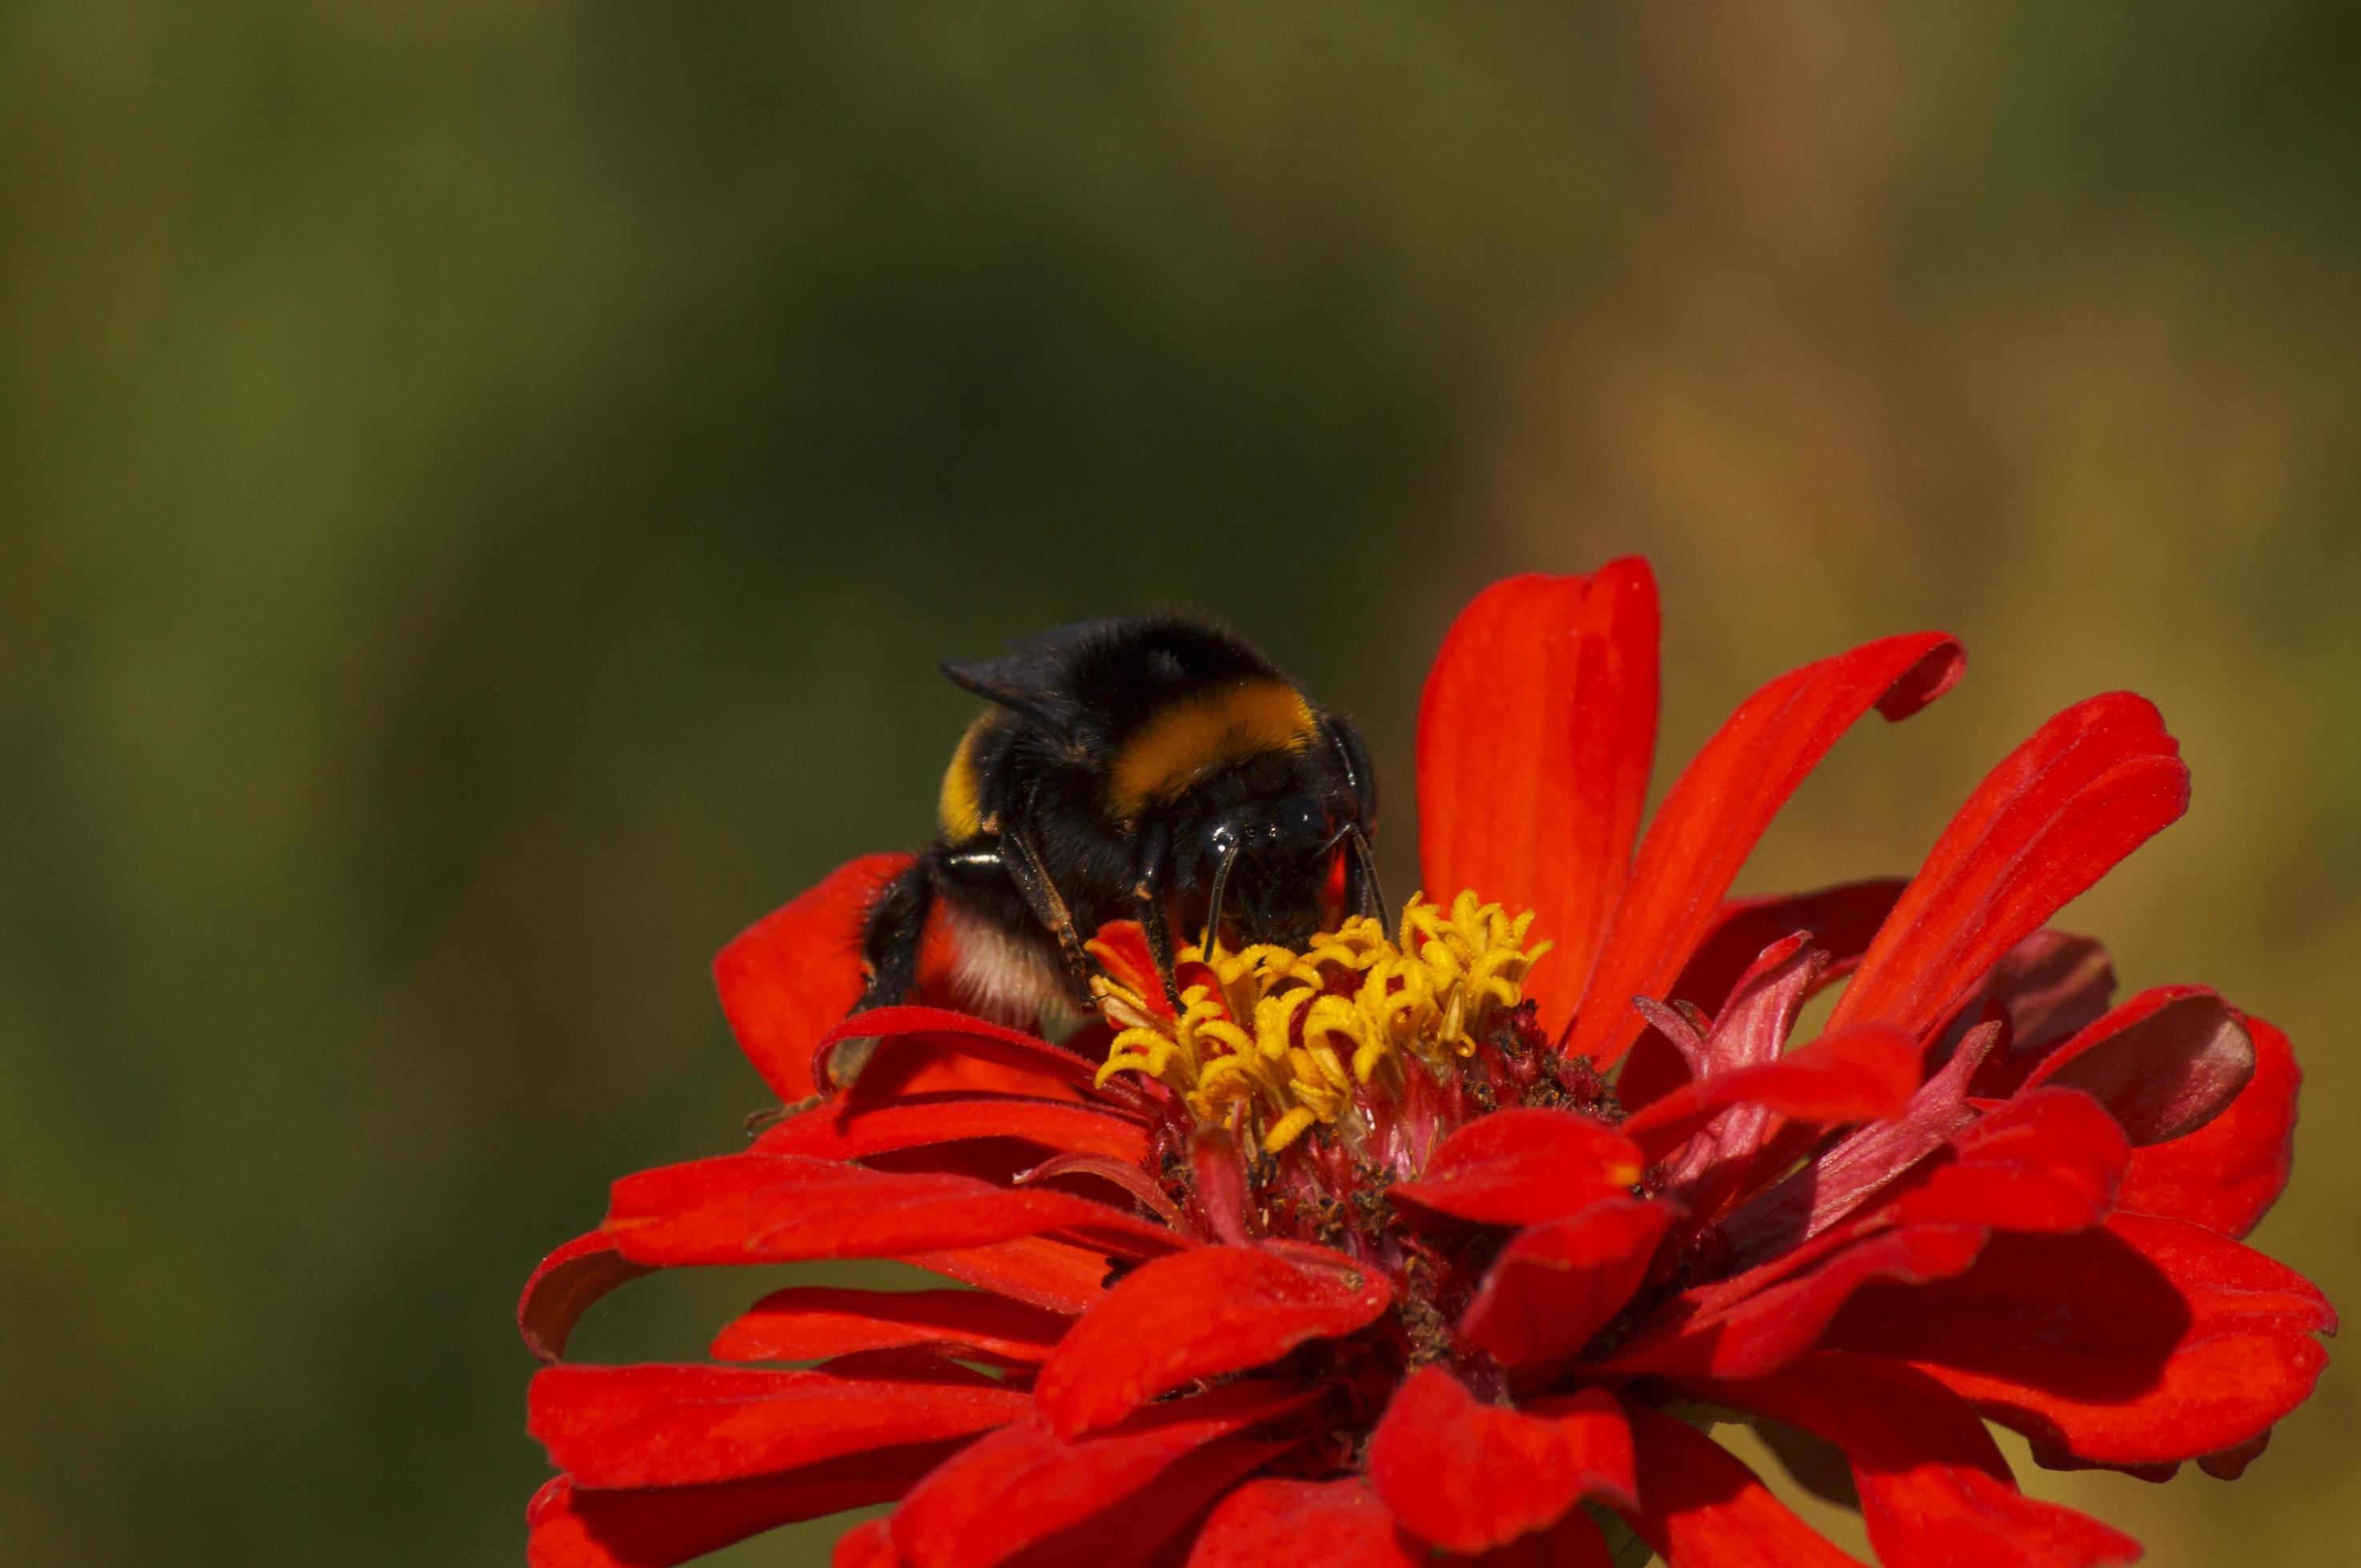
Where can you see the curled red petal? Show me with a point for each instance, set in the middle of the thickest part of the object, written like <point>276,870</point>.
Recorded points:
<point>1718,808</point>
<point>1852,1075</point>
<point>565,1285</point>
<point>1752,1026</point>
<point>1934,1488</point>
<point>2227,1173</point>
<point>1700,1506</point>
<point>1267,1524</point>
<point>1556,1284</point>
<point>657,1527</point>
<point>2163,1064</point>
<point>1535,737</point>
<point>836,1129</point>
<point>1024,1483</point>
<point>2091,786</point>
<point>1749,1030</point>
<point>1200,1314</point>
<point>1470,1477</point>
<point>659,1425</point>
<point>755,1207</point>
<point>1840,921</point>
<point>1756,1333</point>
<point>1523,1165</point>
<point>2047,1160</point>
<point>792,975</point>
<point>2144,1341</point>
<point>808,1322</point>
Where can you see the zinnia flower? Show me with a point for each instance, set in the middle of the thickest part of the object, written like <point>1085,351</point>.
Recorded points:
<point>1461,1237</point>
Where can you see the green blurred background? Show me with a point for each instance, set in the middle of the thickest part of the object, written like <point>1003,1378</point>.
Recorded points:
<point>483,488</point>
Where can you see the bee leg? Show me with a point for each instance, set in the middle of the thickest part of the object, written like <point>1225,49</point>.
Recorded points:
<point>1362,890</point>
<point>1360,776</point>
<point>890,939</point>
<point>1023,858</point>
<point>1148,890</point>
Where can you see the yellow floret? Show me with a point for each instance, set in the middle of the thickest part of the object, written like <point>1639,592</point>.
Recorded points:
<point>1285,1041</point>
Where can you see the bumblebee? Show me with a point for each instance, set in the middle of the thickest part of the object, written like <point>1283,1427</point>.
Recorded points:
<point>1153,767</point>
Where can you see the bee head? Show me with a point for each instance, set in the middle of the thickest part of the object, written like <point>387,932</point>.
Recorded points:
<point>1270,863</point>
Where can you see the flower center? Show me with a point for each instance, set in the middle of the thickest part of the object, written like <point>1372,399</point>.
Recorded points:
<point>1354,1033</point>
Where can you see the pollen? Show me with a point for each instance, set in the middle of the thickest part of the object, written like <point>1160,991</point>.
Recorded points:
<point>1272,1042</point>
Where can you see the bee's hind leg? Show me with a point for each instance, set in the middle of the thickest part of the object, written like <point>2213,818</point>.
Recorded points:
<point>890,940</point>
<point>1022,859</point>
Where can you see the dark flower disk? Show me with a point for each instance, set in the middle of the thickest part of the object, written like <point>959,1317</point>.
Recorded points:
<point>1455,1242</point>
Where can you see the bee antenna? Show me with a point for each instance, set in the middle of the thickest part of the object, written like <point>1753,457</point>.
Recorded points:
<point>1226,852</point>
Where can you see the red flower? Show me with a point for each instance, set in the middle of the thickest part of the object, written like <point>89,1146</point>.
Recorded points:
<point>1365,1255</point>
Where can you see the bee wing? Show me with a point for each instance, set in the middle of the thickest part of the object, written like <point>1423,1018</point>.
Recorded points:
<point>1023,683</point>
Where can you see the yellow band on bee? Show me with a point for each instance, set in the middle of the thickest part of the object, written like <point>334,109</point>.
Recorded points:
<point>959,811</point>
<point>1204,733</point>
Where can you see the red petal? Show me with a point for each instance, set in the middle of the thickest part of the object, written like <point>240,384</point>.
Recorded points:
<point>563,1288</point>
<point>671,1426</point>
<point>1934,1488</point>
<point>1122,949</point>
<point>869,1544</point>
<point>1200,1314</point>
<point>2143,1341</point>
<point>910,1037</point>
<point>657,1527</point>
<point>842,1130</point>
<point>797,971</point>
<point>1535,737</point>
<point>1702,1507</point>
<point>1556,1285</point>
<point>1024,1483</point>
<point>1053,1275</point>
<point>755,1207</point>
<point>2047,987</point>
<point>1122,1174</point>
<point>2047,1160</point>
<point>1221,1179</point>
<point>1573,1542</point>
<point>2163,1064</point>
<point>1857,1075</point>
<point>1833,1183</point>
<point>1285,1524</point>
<point>1523,1165</point>
<point>1720,806</point>
<point>1762,1332</point>
<point>2091,785</point>
<point>812,1321</point>
<point>2227,1173</point>
<point>1470,1477</point>
<point>1150,1530</point>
